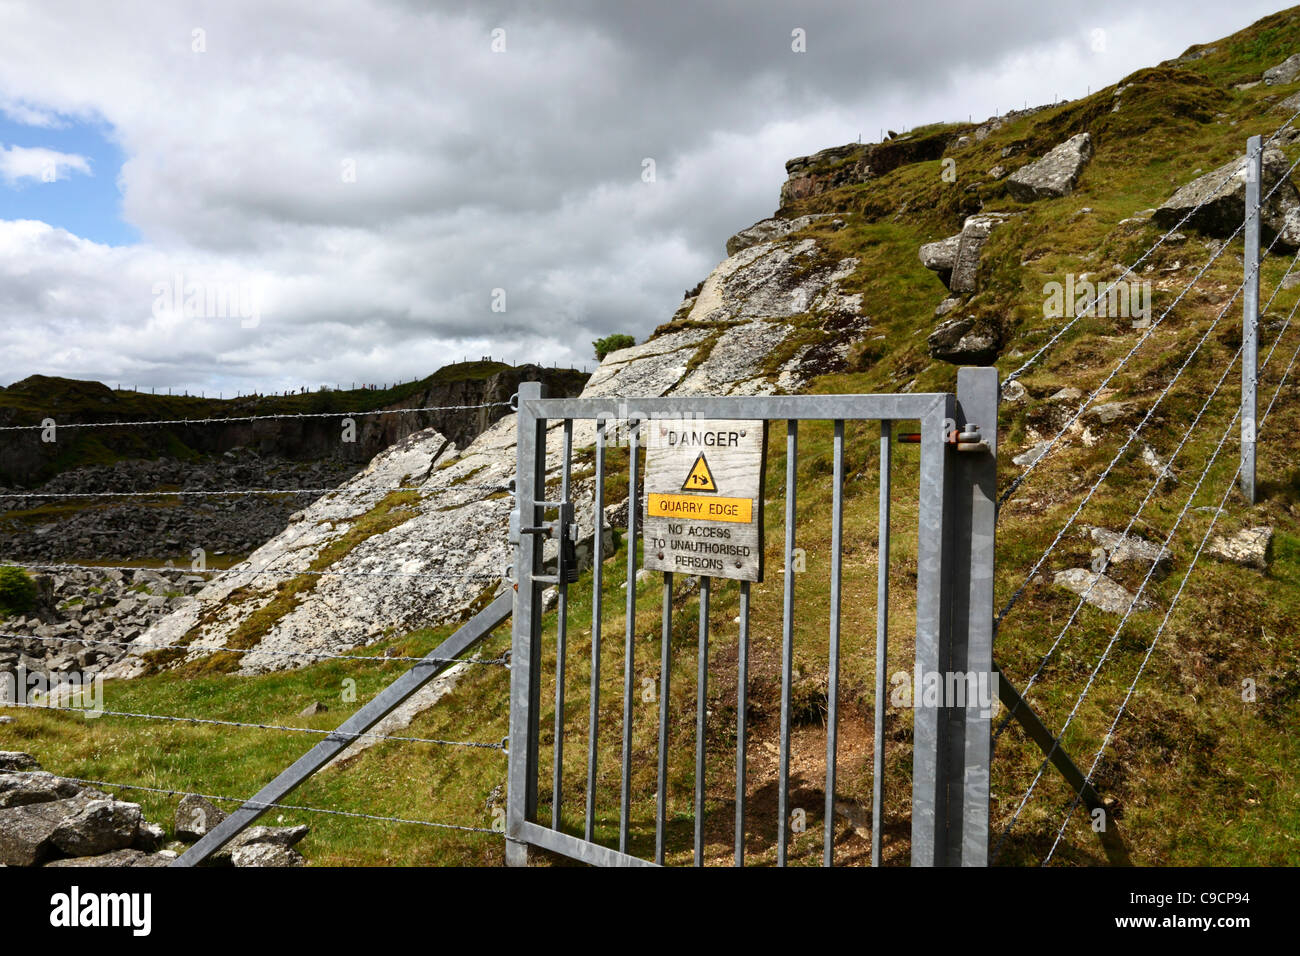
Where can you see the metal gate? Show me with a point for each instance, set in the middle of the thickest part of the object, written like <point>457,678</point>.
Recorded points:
<point>956,515</point>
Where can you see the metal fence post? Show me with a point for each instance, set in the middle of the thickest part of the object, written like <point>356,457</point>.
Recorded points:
<point>953,692</point>
<point>1250,317</point>
<point>525,653</point>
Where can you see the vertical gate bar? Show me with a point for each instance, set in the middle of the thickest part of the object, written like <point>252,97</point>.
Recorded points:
<point>665,686</point>
<point>561,637</point>
<point>787,638</point>
<point>972,629</point>
<point>1250,318</point>
<point>742,706</point>
<point>597,559</point>
<point>882,646</point>
<point>701,708</point>
<point>929,787</point>
<point>521,794</point>
<point>833,677</point>
<point>625,794</point>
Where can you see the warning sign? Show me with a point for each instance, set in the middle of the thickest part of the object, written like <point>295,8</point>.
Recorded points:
<point>699,478</point>
<point>704,498</point>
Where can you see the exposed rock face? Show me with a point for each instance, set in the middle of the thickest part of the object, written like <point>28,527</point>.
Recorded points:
<point>856,163</point>
<point>940,256</point>
<point>1102,592</point>
<point>1221,195</point>
<point>1251,547</point>
<point>963,342</point>
<point>1055,175</point>
<point>767,230</point>
<point>1284,73</point>
<point>447,547</point>
<point>957,258</point>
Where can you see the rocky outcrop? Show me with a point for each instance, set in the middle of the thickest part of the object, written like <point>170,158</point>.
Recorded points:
<point>86,619</point>
<point>443,547</point>
<point>1221,196</point>
<point>1055,175</point>
<point>1285,72</point>
<point>1250,547</point>
<point>956,259</point>
<point>857,163</point>
<point>53,821</point>
<point>769,230</point>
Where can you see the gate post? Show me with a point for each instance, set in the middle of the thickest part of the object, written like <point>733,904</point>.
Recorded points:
<point>525,647</point>
<point>1250,317</point>
<point>952,739</point>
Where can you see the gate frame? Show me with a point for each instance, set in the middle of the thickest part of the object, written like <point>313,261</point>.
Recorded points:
<point>954,624</point>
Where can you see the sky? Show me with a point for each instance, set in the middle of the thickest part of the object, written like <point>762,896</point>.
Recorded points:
<point>259,195</point>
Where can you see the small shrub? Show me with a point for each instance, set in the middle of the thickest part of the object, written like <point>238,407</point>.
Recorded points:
<point>17,591</point>
<point>612,343</point>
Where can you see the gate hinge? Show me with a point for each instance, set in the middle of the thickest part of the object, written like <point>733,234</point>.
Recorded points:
<point>968,439</point>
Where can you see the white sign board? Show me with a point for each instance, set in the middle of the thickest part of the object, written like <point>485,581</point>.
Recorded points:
<point>704,497</point>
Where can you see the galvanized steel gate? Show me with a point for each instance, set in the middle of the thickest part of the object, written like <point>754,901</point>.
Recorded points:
<point>954,614</point>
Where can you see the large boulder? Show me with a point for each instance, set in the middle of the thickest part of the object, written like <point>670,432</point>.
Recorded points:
<point>34,786</point>
<point>117,859</point>
<point>84,825</point>
<point>1056,174</point>
<point>1221,198</point>
<point>956,259</point>
<point>1284,73</point>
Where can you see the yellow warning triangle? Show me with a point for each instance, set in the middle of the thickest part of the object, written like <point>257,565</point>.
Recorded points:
<point>699,478</point>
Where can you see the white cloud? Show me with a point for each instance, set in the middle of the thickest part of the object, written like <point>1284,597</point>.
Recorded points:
<point>38,164</point>
<point>473,170</point>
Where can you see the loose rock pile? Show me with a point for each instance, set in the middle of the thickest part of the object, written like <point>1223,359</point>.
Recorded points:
<point>93,614</point>
<point>46,820</point>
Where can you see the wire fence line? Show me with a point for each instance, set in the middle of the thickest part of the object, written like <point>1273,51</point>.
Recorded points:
<point>237,571</point>
<point>1033,359</point>
<point>208,721</point>
<point>1164,623</point>
<point>284,416</point>
<point>193,649</point>
<point>258,805</point>
<point>1051,444</point>
<point>1134,603</point>
<point>1147,418</point>
<point>446,575</point>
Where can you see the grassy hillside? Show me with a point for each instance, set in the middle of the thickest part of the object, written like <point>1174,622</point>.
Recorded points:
<point>1195,774</point>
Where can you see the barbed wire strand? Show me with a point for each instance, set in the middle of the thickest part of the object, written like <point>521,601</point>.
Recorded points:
<point>209,721</point>
<point>191,649</point>
<point>244,491</point>
<point>261,418</point>
<point>237,571</point>
<point>1128,271</point>
<point>1218,512</point>
<point>259,805</point>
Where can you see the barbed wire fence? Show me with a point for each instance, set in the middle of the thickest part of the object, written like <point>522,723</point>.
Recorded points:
<point>1160,552</point>
<point>360,494</point>
<point>1047,453</point>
